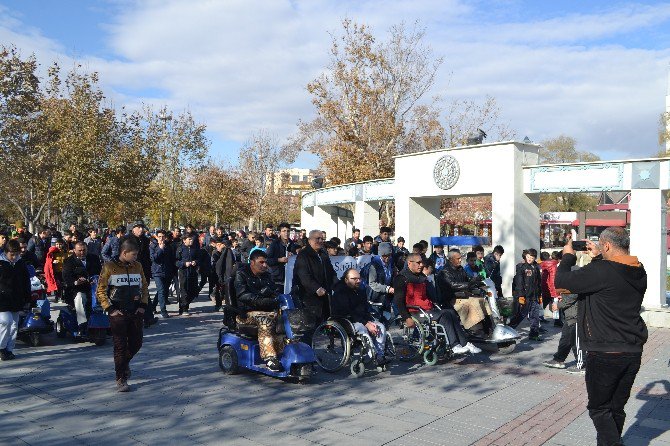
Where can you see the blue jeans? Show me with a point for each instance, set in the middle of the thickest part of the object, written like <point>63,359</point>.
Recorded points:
<point>162,289</point>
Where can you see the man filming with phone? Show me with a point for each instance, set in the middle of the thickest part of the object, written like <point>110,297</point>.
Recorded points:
<point>610,293</point>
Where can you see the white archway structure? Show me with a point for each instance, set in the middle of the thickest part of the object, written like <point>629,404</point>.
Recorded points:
<point>509,172</point>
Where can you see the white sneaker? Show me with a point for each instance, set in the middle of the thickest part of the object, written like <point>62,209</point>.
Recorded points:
<point>460,350</point>
<point>472,348</point>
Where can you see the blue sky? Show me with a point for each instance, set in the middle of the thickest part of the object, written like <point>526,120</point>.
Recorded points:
<point>593,70</point>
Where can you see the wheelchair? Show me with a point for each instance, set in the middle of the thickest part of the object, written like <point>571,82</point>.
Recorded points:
<point>427,338</point>
<point>335,343</point>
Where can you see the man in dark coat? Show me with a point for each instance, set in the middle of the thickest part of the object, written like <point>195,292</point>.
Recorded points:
<point>187,259</point>
<point>77,271</point>
<point>225,269</point>
<point>162,269</point>
<point>278,253</point>
<point>313,280</point>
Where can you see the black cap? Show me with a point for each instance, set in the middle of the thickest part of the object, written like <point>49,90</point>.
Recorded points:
<point>139,223</point>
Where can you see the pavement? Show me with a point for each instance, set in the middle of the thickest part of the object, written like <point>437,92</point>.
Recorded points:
<point>63,393</point>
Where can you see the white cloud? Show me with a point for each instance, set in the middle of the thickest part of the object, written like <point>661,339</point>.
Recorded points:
<point>243,65</point>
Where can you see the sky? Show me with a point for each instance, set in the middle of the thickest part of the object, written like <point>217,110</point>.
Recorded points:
<point>596,70</point>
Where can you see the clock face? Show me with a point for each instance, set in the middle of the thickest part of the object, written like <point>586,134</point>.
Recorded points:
<point>446,172</point>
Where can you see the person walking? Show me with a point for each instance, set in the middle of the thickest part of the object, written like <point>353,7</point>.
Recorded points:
<point>162,264</point>
<point>187,258</point>
<point>123,292</point>
<point>610,293</point>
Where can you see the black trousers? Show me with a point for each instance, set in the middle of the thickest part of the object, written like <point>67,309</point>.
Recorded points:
<point>188,288</point>
<point>569,341</point>
<point>609,379</point>
<point>127,336</point>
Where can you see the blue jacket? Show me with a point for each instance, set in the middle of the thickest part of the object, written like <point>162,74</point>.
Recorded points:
<point>111,249</point>
<point>162,260</point>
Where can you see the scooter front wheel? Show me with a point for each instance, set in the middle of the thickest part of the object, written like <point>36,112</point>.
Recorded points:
<point>506,348</point>
<point>228,360</point>
<point>34,338</point>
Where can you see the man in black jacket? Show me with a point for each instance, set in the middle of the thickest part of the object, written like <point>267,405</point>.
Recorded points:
<point>350,302</point>
<point>225,268</point>
<point>77,270</point>
<point>39,245</point>
<point>313,279</point>
<point>187,259</point>
<point>610,327</point>
<point>475,312</point>
<point>257,300</point>
<point>278,253</point>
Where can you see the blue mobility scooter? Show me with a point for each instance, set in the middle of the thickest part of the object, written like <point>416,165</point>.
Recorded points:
<point>94,331</point>
<point>502,335</point>
<point>238,343</point>
<point>37,319</point>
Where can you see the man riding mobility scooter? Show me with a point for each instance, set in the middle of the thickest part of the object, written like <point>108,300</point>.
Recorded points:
<point>504,336</point>
<point>37,319</point>
<point>95,330</point>
<point>282,355</point>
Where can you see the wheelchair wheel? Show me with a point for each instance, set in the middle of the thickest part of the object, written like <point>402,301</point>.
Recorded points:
<point>357,368</point>
<point>331,346</point>
<point>408,342</point>
<point>430,357</point>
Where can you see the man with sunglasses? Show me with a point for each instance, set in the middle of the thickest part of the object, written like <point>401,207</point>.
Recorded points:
<point>411,290</point>
<point>313,280</point>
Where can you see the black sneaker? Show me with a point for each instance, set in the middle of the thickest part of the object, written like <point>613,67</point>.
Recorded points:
<point>274,364</point>
<point>534,336</point>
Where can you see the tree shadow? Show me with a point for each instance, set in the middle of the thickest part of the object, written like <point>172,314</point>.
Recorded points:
<point>637,433</point>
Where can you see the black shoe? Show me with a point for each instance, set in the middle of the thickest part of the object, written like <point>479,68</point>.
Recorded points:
<point>534,336</point>
<point>6,355</point>
<point>274,364</point>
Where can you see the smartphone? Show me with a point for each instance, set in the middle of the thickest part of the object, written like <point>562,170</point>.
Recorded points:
<point>579,245</point>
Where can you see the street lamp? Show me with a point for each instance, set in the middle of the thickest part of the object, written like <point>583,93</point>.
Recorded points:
<point>165,117</point>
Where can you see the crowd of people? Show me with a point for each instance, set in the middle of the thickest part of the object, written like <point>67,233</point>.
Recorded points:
<point>252,266</point>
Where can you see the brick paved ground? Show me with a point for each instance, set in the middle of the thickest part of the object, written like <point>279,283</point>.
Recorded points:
<point>64,393</point>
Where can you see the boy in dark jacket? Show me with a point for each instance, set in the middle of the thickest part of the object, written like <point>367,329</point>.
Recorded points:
<point>14,294</point>
<point>527,293</point>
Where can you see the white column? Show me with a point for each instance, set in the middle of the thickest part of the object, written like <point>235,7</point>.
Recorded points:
<point>307,219</point>
<point>515,226</point>
<point>417,219</point>
<point>648,240</point>
<point>366,218</point>
<point>325,221</point>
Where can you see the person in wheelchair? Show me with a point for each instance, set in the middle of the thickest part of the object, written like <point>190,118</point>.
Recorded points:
<point>257,302</point>
<point>458,291</point>
<point>77,270</point>
<point>349,302</point>
<point>411,290</point>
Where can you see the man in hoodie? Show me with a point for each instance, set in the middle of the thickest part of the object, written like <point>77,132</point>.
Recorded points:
<point>610,293</point>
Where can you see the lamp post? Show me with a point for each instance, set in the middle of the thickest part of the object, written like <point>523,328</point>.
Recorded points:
<point>165,117</point>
